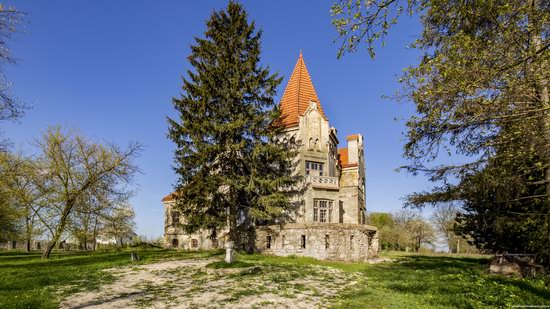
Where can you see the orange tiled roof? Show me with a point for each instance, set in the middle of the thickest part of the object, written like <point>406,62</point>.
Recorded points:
<point>299,91</point>
<point>352,137</point>
<point>343,158</point>
<point>170,197</point>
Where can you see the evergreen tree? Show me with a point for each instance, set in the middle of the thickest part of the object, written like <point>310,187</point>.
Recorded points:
<point>230,171</point>
<point>503,210</point>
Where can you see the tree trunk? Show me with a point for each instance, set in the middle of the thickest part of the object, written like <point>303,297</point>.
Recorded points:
<point>94,233</point>
<point>233,233</point>
<point>58,231</point>
<point>542,85</point>
<point>28,232</point>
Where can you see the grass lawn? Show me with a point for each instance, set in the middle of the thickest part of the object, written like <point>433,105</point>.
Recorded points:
<point>26,281</point>
<point>412,281</point>
<point>431,281</point>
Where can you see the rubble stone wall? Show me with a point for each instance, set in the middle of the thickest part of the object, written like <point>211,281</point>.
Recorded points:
<point>343,242</point>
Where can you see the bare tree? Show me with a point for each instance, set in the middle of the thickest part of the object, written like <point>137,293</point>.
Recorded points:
<point>75,166</point>
<point>102,209</point>
<point>412,230</point>
<point>443,219</point>
<point>120,223</point>
<point>10,107</point>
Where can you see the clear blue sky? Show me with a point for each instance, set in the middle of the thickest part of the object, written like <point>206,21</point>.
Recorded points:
<point>110,68</point>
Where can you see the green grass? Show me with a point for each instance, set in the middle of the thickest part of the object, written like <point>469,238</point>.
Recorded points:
<point>429,281</point>
<point>26,281</point>
<point>223,264</point>
<point>412,281</point>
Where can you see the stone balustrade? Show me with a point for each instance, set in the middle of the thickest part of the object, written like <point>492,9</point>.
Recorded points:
<point>326,182</point>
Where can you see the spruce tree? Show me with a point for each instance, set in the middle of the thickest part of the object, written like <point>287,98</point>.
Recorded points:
<point>230,172</point>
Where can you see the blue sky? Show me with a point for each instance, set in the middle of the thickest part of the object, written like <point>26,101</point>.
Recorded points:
<point>110,68</point>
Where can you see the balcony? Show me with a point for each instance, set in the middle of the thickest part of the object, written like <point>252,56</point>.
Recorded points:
<point>324,182</point>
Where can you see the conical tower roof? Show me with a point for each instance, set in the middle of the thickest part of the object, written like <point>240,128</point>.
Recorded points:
<point>298,93</point>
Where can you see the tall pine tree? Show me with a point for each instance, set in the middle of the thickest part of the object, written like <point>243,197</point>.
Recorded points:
<point>230,171</point>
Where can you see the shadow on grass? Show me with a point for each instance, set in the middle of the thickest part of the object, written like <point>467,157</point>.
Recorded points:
<point>442,281</point>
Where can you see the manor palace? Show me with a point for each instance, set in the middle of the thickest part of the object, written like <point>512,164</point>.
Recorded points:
<point>329,220</point>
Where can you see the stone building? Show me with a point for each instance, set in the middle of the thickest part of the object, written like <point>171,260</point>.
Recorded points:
<point>22,245</point>
<point>329,222</point>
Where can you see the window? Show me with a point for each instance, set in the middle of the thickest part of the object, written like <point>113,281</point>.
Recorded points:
<point>351,242</point>
<point>194,243</point>
<point>175,218</point>
<point>175,243</point>
<point>327,241</point>
<point>303,243</point>
<point>283,241</point>
<point>268,242</point>
<point>314,168</point>
<point>322,210</point>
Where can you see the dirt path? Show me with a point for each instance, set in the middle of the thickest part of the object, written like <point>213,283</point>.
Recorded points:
<point>190,284</point>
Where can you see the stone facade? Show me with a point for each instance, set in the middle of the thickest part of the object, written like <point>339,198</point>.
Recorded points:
<point>329,221</point>
<point>333,241</point>
<point>175,237</point>
<point>22,245</point>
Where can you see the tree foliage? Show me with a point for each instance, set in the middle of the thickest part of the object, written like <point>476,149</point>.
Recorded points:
<point>10,217</point>
<point>76,167</point>
<point>230,172</point>
<point>22,188</point>
<point>505,217</point>
<point>481,91</point>
<point>403,230</point>
<point>120,223</point>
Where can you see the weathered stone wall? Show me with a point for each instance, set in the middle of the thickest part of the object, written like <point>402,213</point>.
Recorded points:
<point>175,237</point>
<point>22,245</point>
<point>344,242</point>
<point>350,177</point>
<point>195,241</point>
<point>351,211</point>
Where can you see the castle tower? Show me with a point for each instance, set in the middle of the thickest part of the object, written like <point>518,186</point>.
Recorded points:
<point>335,178</point>
<point>299,92</point>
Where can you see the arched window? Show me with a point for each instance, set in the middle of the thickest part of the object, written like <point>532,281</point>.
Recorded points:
<point>317,145</point>
<point>311,144</point>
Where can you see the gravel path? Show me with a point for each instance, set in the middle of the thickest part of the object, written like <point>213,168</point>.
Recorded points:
<point>190,284</point>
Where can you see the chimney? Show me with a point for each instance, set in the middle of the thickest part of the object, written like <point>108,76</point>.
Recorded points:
<point>355,142</point>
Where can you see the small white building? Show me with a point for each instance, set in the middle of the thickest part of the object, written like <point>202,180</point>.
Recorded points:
<point>107,239</point>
